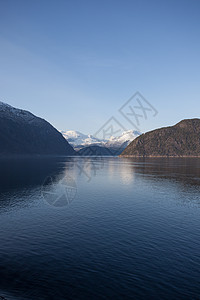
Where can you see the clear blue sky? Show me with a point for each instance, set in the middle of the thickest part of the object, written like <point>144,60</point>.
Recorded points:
<point>75,63</point>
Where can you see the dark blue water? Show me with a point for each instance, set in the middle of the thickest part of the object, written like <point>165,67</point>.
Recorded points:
<point>105,228</point>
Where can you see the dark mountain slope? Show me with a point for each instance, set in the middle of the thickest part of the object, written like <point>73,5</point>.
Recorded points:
<point>183,139</point>
<point>23,133</point>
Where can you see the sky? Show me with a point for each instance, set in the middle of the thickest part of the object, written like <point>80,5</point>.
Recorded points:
<point>76,63</point>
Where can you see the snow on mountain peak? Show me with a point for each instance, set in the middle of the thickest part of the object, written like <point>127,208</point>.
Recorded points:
<point>18,114</point>
<point>80,140</point>
<point>125,138</point>
<point>76,138</point>
<point>4,105</point>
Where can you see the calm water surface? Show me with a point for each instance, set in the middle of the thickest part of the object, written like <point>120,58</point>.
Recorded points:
<point>99,228</point>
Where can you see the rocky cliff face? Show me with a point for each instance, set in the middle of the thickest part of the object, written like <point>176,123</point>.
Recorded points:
<point>21,132</point>
<point>183,139</point>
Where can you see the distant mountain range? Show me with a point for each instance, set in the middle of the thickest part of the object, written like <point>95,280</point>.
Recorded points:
<point>21,132</point>
<point>84,143</point>
<point>180,140</point>
<point>96,151</point>
<point>79,140</point>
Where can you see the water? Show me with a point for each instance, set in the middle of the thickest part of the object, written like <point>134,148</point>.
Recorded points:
<point>100,228</point>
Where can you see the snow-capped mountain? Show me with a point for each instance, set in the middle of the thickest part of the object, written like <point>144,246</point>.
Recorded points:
<point>79,140</point>
<point>125,138</point>
<point>17,114</point>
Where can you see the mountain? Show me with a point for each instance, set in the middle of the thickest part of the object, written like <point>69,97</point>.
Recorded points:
<point>94,151</point>
<point>79,140</point>
<point>182,139</point>
<point>115,145</point>
<point>118,144</point>
<point>21,132</point>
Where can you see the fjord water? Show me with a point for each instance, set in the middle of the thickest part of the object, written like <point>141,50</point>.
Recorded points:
<point>100,228</point>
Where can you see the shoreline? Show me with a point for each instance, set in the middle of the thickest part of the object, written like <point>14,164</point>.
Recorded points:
<point>160,156</point>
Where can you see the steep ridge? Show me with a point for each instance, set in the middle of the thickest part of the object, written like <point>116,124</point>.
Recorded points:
<point>182,139</point>
<point>21,132</point>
